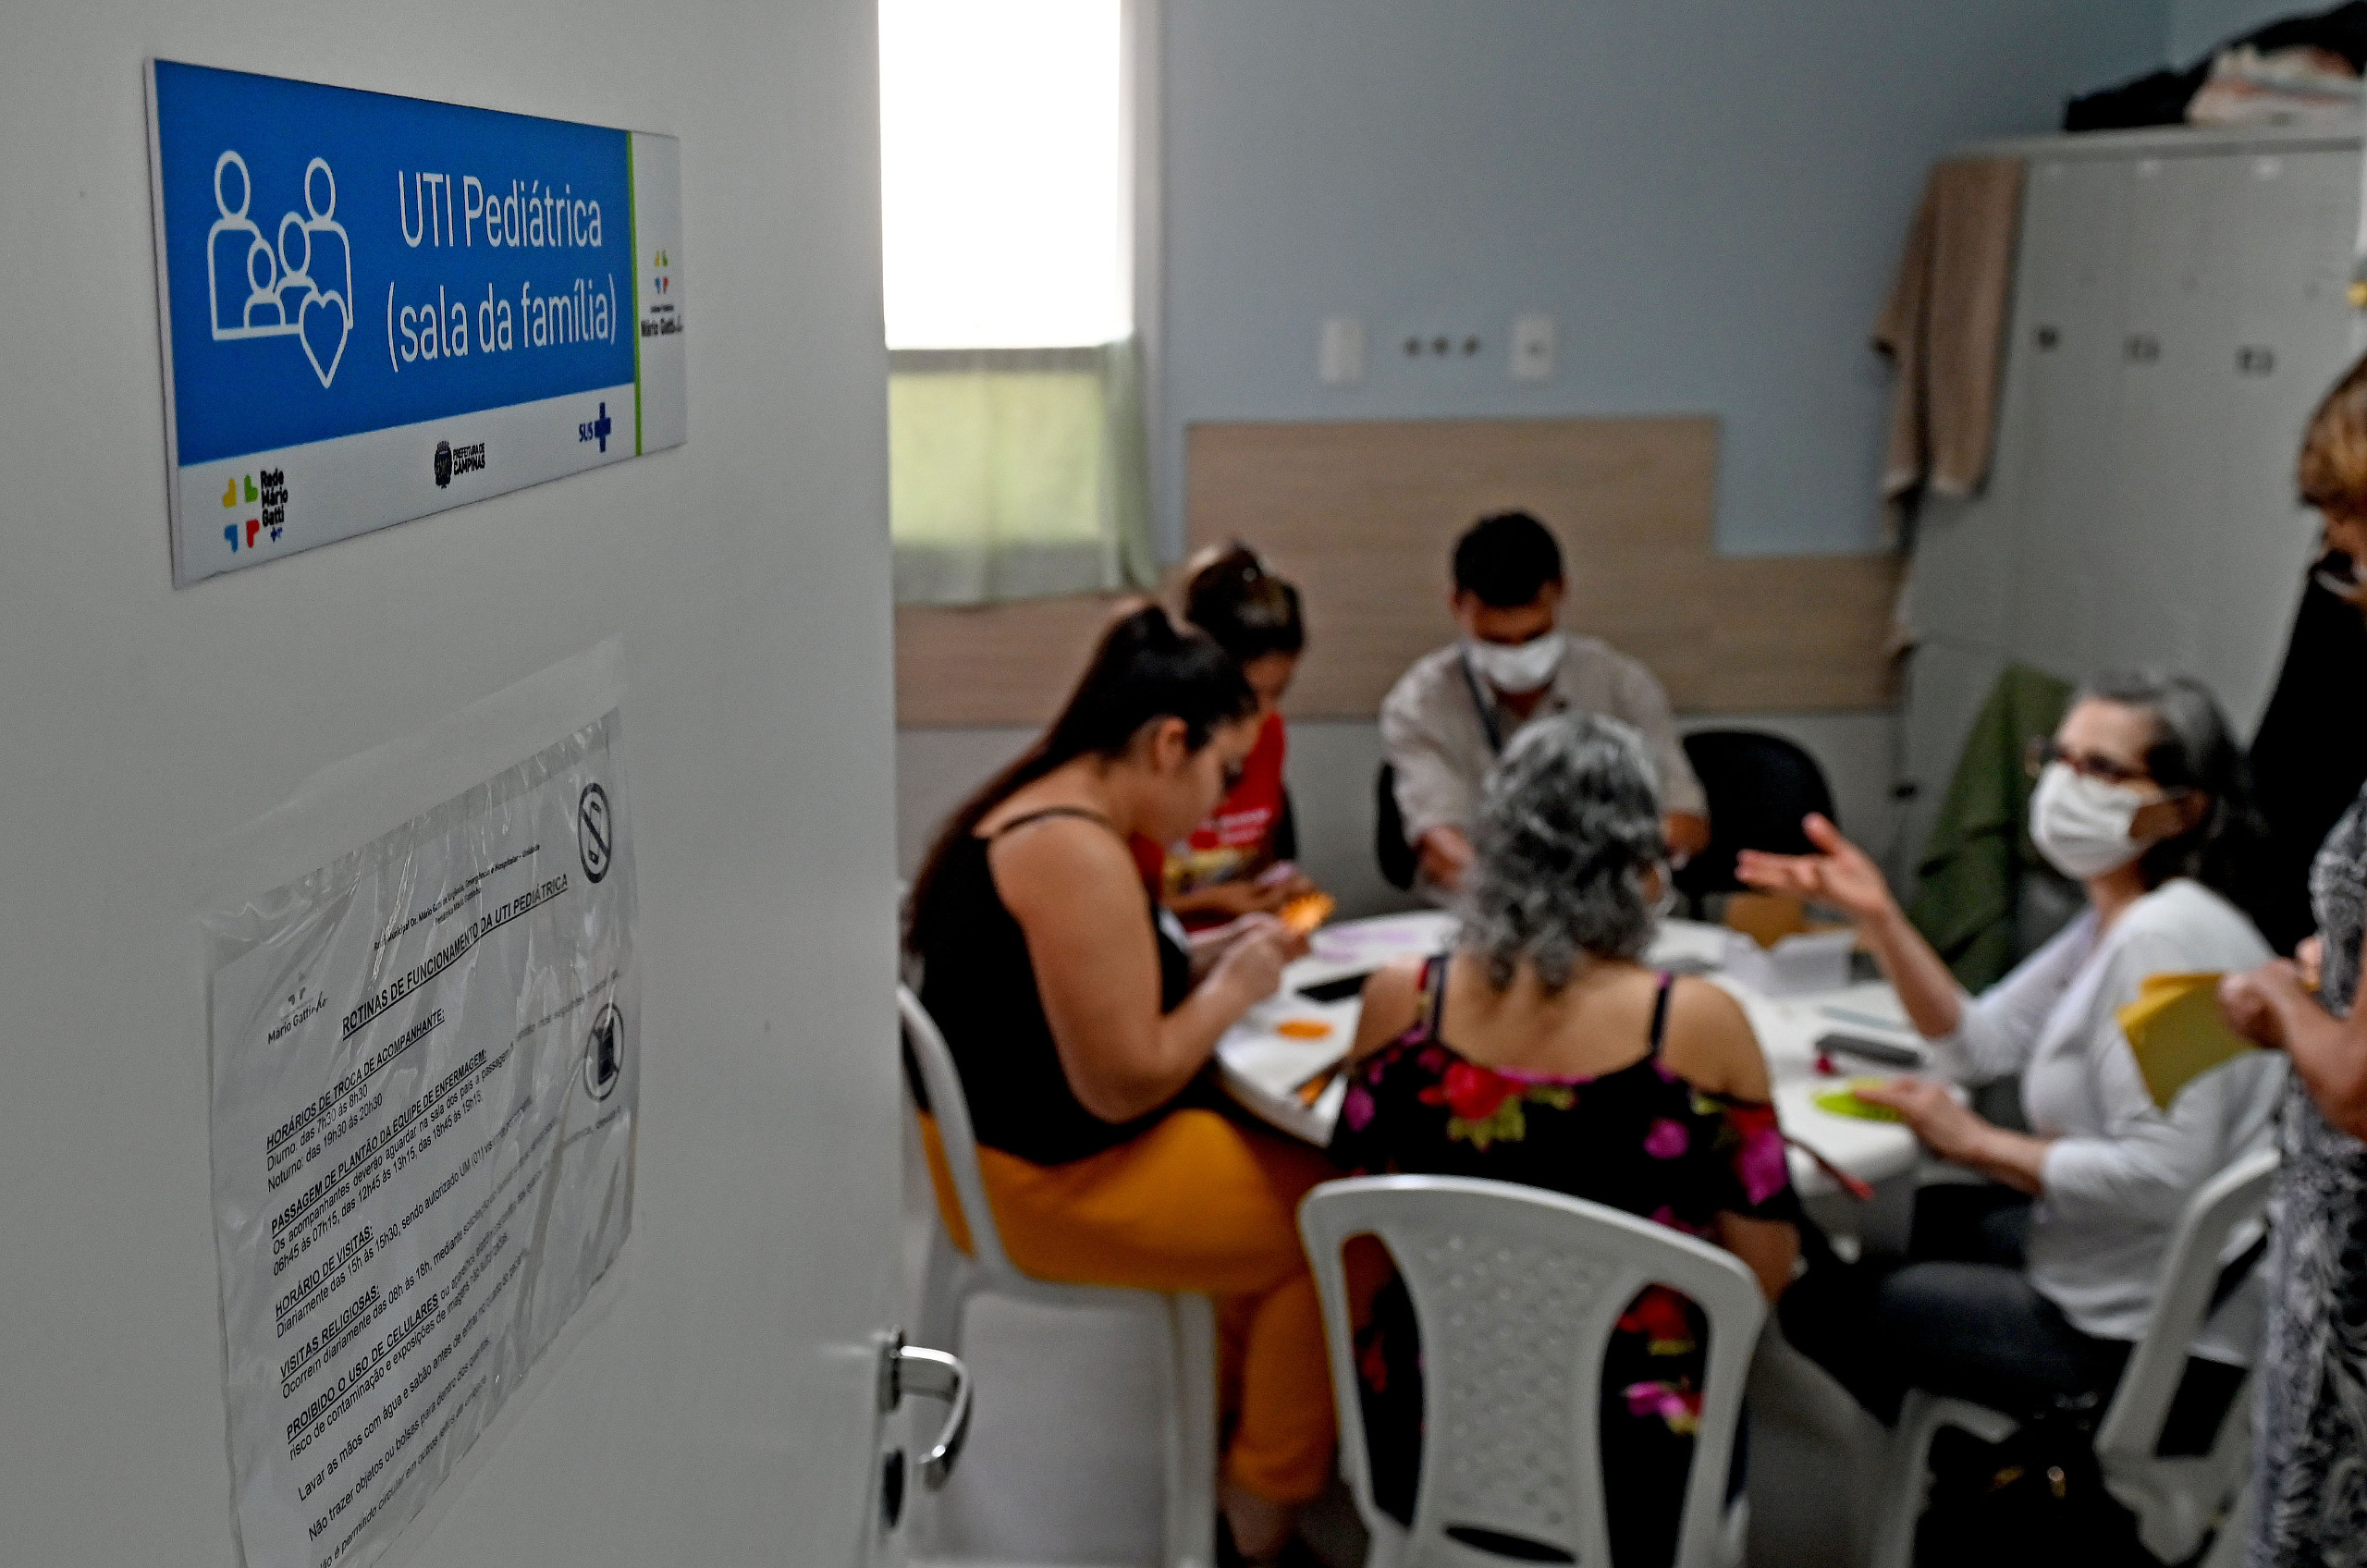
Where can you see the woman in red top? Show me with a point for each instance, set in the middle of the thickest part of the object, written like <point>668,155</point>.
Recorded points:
<point>1238,862</point>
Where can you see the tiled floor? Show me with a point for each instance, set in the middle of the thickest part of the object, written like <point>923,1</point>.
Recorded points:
<point>1062,1465</point>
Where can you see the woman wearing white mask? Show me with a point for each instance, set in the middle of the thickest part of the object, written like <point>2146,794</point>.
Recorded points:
<point>2034,1286</point>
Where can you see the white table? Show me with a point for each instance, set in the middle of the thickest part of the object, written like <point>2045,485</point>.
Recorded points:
<point>1261,1066</point>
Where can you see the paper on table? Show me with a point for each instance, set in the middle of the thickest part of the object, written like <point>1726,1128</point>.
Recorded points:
<point>2177,1032</point>
<point>1844,1101</point>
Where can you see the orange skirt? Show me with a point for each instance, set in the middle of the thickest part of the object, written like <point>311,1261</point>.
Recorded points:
<point>1198,1203</point>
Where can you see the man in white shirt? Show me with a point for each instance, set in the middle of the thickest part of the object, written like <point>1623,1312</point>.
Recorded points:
<point>1446,718</point>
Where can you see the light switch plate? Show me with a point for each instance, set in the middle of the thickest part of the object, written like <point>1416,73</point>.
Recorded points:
<point>1534,342</point>
<point>1340,361</point>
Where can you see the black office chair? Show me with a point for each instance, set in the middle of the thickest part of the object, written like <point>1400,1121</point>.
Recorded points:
<point>1759,786</point>
<point>1400,861</point>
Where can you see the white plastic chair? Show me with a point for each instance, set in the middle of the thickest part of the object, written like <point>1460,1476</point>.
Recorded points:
<point>1517,1291</point>
<point>2176,1500</point>
<point>1182,1326</point>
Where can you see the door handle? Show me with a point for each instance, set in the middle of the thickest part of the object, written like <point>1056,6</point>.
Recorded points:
<point>932,1374</point>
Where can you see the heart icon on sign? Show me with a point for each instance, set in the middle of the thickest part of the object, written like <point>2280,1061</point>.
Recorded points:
<point>323,324</point>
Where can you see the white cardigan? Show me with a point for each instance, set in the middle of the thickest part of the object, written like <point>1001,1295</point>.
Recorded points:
<point>2120,1169</point>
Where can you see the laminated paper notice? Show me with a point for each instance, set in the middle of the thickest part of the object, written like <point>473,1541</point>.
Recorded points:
<point>425,1069</point>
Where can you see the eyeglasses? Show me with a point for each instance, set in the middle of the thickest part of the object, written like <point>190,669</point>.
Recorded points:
<point>2088,765</point>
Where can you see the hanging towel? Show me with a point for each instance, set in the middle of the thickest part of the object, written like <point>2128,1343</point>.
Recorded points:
<point>1943,328</point>
<point>1968,885</point>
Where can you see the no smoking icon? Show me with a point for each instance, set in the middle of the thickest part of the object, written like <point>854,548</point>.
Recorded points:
<point>595,831</point>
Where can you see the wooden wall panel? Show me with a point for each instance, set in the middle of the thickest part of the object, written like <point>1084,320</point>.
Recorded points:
<point>996,664</point>
<point>1363,515</point>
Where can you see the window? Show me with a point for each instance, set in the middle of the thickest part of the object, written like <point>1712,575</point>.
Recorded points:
<point>1007,150</point>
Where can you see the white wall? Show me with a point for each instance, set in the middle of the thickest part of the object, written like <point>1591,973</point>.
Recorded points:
<point>1331,768</point>
<point>1710,196</point>
<point>720,1413</point>
<point>2196,27</point>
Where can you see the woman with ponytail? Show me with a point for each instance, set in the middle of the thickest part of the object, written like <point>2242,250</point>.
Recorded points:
<point>1084,1042</point>
<point>1237,861</point>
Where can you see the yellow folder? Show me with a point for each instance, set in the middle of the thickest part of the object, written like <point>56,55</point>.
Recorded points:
<point>2177,1032</point>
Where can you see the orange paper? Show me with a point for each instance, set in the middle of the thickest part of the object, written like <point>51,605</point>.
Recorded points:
<point>1304,913</point>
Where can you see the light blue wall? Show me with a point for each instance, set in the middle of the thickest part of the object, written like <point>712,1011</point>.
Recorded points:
<point>1709,195</point>
<point>2196,26</point>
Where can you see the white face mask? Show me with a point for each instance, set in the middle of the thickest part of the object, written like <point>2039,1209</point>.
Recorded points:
<point>2081,824</point>
<point>1515,666</point>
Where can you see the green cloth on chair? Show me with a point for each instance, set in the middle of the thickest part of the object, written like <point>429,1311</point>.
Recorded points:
<point>1968,883</point>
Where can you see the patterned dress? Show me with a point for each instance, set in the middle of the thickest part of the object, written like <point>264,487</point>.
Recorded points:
<point>1640,1139</point>
<point>2313,1437</point>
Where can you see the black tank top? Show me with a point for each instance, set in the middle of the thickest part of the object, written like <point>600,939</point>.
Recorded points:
<point>977,983</point>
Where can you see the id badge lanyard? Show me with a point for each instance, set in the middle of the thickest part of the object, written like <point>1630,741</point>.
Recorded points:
<point>1479,701</point>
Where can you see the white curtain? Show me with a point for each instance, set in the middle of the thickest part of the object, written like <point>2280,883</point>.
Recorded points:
<point>1019,163</point>
<point>1018,472</point>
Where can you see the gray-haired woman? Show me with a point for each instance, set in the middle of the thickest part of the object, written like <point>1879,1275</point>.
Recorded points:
<point>2140,798</point>
<point>1542,1050</point>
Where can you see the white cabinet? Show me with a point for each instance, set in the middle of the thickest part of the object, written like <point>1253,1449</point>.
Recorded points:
<point>2178,312</point>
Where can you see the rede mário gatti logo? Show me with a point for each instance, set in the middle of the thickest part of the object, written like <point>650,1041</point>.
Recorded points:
<point>301,286</point>
<point>263,496</point>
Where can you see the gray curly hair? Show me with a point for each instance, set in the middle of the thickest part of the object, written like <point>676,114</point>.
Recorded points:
<point>1569,829</point>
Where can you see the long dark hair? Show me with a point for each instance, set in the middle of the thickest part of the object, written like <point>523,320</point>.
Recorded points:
<point>1145,669</point>
<point>2192,749</point>
<point>1248,609</point>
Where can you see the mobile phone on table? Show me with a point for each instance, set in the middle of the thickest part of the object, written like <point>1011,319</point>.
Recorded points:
<point>1338,990</point>
<point>1884,1051</point>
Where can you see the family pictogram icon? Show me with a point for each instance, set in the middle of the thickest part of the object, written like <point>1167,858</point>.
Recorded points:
<point>301,288</point>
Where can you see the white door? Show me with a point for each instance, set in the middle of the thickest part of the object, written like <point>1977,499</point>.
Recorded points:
<point>1996,575</point>
<point>2172,453</point>
<point>2296,216</point>
<point>2067,351</point>
<point>722,1410</point>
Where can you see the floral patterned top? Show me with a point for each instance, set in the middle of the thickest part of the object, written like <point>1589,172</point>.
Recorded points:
<point>1640,1139</point>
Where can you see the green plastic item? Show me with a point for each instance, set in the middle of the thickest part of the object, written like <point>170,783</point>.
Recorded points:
<point>1845,1102</point>
<point>1971,871</point>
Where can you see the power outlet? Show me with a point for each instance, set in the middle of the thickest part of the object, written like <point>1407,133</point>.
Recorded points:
<point>1441,345</point>
<point>1339,358</point>
<point>1536,343</point>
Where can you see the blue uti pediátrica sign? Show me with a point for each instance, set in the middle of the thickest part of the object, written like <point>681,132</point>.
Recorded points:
<point>376,307</point>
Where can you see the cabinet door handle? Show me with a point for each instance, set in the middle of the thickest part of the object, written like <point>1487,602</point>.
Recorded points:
<point>2141,349</point>
<point>2255,359</point>
<point>932,1374</point>
<point>2047,337</point>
